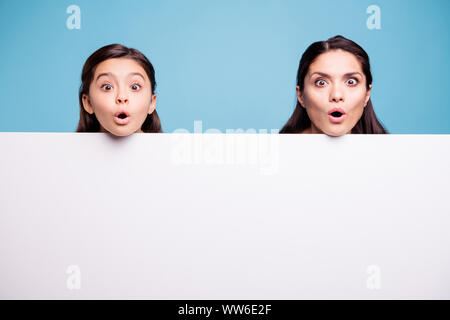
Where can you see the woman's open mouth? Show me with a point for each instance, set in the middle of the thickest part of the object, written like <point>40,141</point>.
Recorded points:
<point>336,115</point>
<point>121,117</point>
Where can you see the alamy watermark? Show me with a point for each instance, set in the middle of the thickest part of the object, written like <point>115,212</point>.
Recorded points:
<point>373,281</point>
<point>235,147</point>
<point>74,20</point>
<point>374,20</point>
<point>73,281</point>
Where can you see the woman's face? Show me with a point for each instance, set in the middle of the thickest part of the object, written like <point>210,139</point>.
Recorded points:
<point>120,96</point>
<point>334,93</point>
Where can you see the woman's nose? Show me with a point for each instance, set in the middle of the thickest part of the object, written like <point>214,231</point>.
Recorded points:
<point>336,94</point>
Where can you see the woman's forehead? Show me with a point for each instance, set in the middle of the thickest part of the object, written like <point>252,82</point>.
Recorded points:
<point>336,62</point>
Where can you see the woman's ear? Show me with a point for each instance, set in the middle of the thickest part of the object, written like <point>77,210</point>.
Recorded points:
<point>367,95</point>
<point>87,104</point>
<point>299,96</point>
<point>152,104</point>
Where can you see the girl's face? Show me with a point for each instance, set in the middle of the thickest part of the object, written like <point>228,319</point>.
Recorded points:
<point>334,93</point>
<point>120,96</point>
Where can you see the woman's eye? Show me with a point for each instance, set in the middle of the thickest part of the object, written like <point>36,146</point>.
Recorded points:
<point>320,83</point>
<point>135,86</point>
<point>352,81</point>
<point>106,87</point>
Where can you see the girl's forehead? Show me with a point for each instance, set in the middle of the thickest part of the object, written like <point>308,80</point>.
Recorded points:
<point>120,67</point>
<point>336,62</point>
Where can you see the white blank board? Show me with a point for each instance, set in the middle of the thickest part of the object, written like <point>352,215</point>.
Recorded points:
<point>224,216</point>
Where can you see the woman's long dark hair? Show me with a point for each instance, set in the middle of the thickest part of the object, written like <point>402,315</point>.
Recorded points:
<point>299,121</point>
<point>88,122</point>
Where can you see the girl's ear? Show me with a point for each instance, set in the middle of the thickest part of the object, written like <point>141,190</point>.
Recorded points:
<point>152,104</point>
<point>87,104</point>
<point>299,96</point>
<point>367,95</point>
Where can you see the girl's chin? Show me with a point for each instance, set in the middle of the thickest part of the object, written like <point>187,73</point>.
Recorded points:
<point>120,131</point>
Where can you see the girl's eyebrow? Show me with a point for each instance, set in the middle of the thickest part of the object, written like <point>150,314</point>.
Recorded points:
<point>112,75</point>
<point>323,74</point>
<point>136,74</point>
<point>105,74</point>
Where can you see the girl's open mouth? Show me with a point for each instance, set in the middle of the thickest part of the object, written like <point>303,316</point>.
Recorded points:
<point>121,117</point>
<point>336,115</point>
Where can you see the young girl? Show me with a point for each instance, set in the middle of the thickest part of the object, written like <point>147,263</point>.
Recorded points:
<point>117,92</point>
<point>333,91</point>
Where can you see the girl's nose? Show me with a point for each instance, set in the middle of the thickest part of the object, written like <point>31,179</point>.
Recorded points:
<point>121,98</point>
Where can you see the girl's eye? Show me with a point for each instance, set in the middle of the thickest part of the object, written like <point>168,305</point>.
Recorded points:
<point>352,82</point>
<point>135,87</point>
<point>106,87</point>
<point>320,83</point>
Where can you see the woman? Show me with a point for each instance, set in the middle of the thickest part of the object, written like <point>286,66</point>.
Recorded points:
<point>117,93</point>
<point>333,91</point>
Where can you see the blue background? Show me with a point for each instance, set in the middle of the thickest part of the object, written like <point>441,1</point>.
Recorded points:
<point>231,64</point>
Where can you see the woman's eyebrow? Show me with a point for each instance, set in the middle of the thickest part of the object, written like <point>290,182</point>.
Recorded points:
<point>352,74</point>
<point>323,74</point>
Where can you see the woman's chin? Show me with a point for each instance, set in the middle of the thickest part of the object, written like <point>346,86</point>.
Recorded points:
<point>336,132</point>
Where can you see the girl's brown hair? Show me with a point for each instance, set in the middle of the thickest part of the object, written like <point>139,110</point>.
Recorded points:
<point>299,121</point>
<point>88,122</point>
